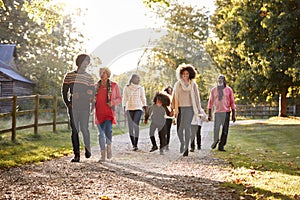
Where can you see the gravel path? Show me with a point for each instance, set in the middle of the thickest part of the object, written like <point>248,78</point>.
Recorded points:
<point>128,175</point>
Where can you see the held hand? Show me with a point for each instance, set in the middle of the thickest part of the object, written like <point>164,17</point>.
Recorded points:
<point>145,108</point>
<point>145,121</point>
<point>172,113</point>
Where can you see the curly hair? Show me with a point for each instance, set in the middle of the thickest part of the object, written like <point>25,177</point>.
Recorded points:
<point>163,98</point>
<point>186,67</point>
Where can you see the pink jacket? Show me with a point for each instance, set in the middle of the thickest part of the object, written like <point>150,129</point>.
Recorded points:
<point>227,102</point>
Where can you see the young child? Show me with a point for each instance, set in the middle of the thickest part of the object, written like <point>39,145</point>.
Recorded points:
<point>196,130</point>
<point>196,133</point>
<point>157,113</point>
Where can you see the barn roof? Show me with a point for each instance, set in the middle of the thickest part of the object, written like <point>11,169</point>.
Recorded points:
<point>14,75</point>
<point>7,51</point>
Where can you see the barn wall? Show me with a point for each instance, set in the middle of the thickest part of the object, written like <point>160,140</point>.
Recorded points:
<point>22,89</point>
<point>10,88</point>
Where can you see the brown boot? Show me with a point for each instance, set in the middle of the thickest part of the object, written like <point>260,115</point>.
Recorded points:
<point>102,159</point>
<point>109,151</point>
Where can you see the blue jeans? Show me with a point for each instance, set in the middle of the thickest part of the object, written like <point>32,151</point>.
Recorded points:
<point>105,133</point>
<point>79,121</point>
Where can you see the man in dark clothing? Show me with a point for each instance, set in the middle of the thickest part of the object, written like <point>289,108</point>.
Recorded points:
<point>78,93</point>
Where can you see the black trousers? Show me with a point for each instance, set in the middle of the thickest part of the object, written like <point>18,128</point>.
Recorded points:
<point>162,134</point>
<point>196,134</point>
<point>168,131</point>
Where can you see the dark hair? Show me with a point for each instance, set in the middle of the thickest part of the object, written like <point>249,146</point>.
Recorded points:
<point>133,76</point>
<point>190,69</point>
<point>220,88</point>
<point>167,89</point>
<point>80,58</point>
<point>224,79</point>
<point>165,100</point>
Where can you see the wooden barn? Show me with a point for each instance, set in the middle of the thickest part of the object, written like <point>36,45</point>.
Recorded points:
<point>11,82</point>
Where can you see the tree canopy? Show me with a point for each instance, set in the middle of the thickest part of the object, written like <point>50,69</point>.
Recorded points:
<point>257,47</point>
<point>187,31</point>
<point>46,41</point>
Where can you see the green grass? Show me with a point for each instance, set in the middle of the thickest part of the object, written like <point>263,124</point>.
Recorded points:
<point>265,158</point>
<point>46,145</point>
<point>30,148</point>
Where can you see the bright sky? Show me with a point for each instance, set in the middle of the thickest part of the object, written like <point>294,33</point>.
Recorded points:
<point>108,21</point>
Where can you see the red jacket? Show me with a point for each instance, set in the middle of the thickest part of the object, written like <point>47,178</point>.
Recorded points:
<point>102,110</point>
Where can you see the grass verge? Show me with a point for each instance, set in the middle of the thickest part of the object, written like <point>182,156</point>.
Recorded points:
<point>264,159</point>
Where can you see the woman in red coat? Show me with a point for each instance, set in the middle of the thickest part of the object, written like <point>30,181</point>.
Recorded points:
<point>108,96</point>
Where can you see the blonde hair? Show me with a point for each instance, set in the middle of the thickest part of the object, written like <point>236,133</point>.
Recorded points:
<point>107,71</point>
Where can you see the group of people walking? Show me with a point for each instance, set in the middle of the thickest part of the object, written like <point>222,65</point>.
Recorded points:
<point>180,105</point>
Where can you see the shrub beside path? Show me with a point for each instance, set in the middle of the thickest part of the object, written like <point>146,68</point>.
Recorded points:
<point>128,175</point>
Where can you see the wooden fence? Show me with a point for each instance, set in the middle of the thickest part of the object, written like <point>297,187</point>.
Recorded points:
<point>32,101</point>
<point>30,105</point>
<point>262,111</point>
<point>242,110</point>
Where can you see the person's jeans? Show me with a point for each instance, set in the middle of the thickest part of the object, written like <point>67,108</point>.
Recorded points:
<point>221,118</point>
<point>184,121</point>
<point>105,133</point>
<point>134,117</point>
<point>79,120</point>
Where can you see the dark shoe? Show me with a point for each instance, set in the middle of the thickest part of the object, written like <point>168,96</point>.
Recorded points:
<point>154,148</point>
<point>87,153</point>
<point>75,159</point>
<point>199,148</point>
<point>135,149</point>
<point>181,148</point>
<point>192,150</point>
<point>213,146</point>
<point>186,153</point>
<point>221,149</point>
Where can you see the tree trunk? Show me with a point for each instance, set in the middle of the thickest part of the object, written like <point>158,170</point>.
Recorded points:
<point>282,103</point>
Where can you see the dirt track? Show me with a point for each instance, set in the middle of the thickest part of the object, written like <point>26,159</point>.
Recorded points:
<point>128,175</point>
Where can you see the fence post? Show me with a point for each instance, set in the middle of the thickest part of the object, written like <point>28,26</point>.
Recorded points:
<point>54,112</point>
<point>36,114</point>
<point>14,118</point>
